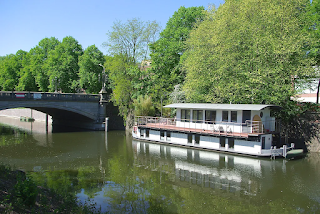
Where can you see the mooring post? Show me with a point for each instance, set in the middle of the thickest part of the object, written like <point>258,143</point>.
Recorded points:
<point>47,123</point>
<point>106,124</point>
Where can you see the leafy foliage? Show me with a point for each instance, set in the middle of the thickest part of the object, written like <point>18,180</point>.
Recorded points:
<point>10,68</point>
<point>131,39</point>
<point>166,71</point>
<point>27,191</point>
<point>39,64</point>
<point>143,106</point>
<point>89,69</point>
<point>248,52</point>
<point>63,65</point>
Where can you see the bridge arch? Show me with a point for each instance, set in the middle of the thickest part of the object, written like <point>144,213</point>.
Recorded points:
<point>79,110</point>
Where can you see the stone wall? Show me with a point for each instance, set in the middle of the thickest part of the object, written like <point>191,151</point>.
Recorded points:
<point>314,145</point>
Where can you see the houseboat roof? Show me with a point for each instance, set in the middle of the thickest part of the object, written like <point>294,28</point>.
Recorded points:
<point>212,106</point>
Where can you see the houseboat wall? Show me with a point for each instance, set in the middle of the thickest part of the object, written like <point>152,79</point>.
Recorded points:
<point>220,143</point>
<point>229,125</point>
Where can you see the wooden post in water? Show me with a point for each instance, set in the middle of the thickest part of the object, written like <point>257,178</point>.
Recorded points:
<point>47,123</point>
<point>106,124</point>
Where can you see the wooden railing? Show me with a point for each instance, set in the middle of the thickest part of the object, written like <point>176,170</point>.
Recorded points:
<point>23,95</point>
<point>249,127</point>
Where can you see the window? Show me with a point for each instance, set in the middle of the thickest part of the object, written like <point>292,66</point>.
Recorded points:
<point>141,132</point>
<point>197,116</point>
<point>225,116</point>
<point>185,115</point>
<point>147,133</point>
<point>231,143</point>
<point>168,136</point>
<point>222,142</point>
<point>234,116</point>
<point>189,138</point>
<point>197,139</point>
<point>263,145</point>
<point>161,135</point>
<point>211,116</point>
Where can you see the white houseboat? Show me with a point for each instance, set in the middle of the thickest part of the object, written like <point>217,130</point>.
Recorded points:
<point>246,129</point>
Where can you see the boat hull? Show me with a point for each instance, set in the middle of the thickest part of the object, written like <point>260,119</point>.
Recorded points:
<point>241,146</point>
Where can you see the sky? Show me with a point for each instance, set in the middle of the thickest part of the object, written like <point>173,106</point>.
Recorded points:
<point>25,22</point>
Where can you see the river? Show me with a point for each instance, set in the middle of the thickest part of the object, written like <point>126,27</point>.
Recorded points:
<point>121,175</point>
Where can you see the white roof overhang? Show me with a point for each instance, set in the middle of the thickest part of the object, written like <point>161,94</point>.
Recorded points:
<point>211,106</point>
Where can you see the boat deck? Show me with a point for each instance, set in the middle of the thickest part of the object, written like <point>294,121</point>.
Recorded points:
<point>161,126</point>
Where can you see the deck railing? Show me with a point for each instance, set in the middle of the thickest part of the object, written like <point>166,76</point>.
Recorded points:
<point>218,127</point>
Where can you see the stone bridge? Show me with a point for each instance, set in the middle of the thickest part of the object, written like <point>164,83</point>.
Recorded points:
<point>87,111</point>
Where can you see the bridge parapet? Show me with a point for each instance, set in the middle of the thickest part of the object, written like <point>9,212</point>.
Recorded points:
<point>18,95</point>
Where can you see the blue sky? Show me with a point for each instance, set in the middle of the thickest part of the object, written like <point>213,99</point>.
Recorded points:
<point>25,22</point>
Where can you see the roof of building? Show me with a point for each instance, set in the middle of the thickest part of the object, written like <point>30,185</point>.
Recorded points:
<point>211,106</point>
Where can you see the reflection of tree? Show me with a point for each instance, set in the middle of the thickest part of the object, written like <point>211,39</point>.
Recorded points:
<point>89,179</point>
<point>138,190</point>
<point>71,181</point>
<point>11,136</point>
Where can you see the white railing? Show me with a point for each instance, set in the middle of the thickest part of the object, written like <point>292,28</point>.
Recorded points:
<point>219,127</point>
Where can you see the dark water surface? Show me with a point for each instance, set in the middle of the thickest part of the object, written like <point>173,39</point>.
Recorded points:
<point>121,175</point>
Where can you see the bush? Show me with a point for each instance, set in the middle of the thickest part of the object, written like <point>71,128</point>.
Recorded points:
<point>143,106</point>
<point>26,190</point>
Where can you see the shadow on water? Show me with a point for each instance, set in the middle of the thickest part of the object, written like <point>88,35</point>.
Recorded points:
<point>61,129</point>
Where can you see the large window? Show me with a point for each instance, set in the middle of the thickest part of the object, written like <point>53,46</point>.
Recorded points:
<point>234,116</point>
<point>189,138</point>
<point>197,116</point>
<point>197,139</point>
<point>185,115</point>
<point>211,116</point>
<point>222,142</point>
<point>231,143</point>
<point>225,116</point>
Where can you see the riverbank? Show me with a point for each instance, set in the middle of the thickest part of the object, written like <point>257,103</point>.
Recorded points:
<point>25,112</point>
<point>20,194</point>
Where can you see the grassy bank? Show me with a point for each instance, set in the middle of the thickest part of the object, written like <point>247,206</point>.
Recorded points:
<point>20,194</point>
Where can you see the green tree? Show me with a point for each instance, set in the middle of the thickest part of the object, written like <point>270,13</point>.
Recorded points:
<point>131,39</point>
<point>39,61</point>
<point>117,69</point>
<point>127,82</point>
<point>248,52</point>
<point>63,65</point>
<point>27,80</point>
<point>89,69</point>
<point>10,69</point>
<point>166,52</point>
<point>251,51</point>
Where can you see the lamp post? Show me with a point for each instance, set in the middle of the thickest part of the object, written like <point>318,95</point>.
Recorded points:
<point>103,92</point>
<point>103,79</point>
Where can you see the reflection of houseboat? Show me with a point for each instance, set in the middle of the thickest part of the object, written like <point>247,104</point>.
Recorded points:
<point>207,169</point>
<point>237,128</point>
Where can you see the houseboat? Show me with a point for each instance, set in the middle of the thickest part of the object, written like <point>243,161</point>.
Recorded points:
<point>247,129</point>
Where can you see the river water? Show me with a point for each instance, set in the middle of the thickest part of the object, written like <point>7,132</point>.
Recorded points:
<point>121,175</point>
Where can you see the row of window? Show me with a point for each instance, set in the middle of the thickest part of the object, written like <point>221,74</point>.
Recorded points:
<point>166,135</point>
<point>210,116</point>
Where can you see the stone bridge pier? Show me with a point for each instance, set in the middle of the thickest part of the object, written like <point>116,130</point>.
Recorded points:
<point>87,111</point>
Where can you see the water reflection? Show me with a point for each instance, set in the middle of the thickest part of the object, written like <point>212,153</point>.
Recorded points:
<point>235,174</point>
<point>258,183</point>
<point>125,176</point>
